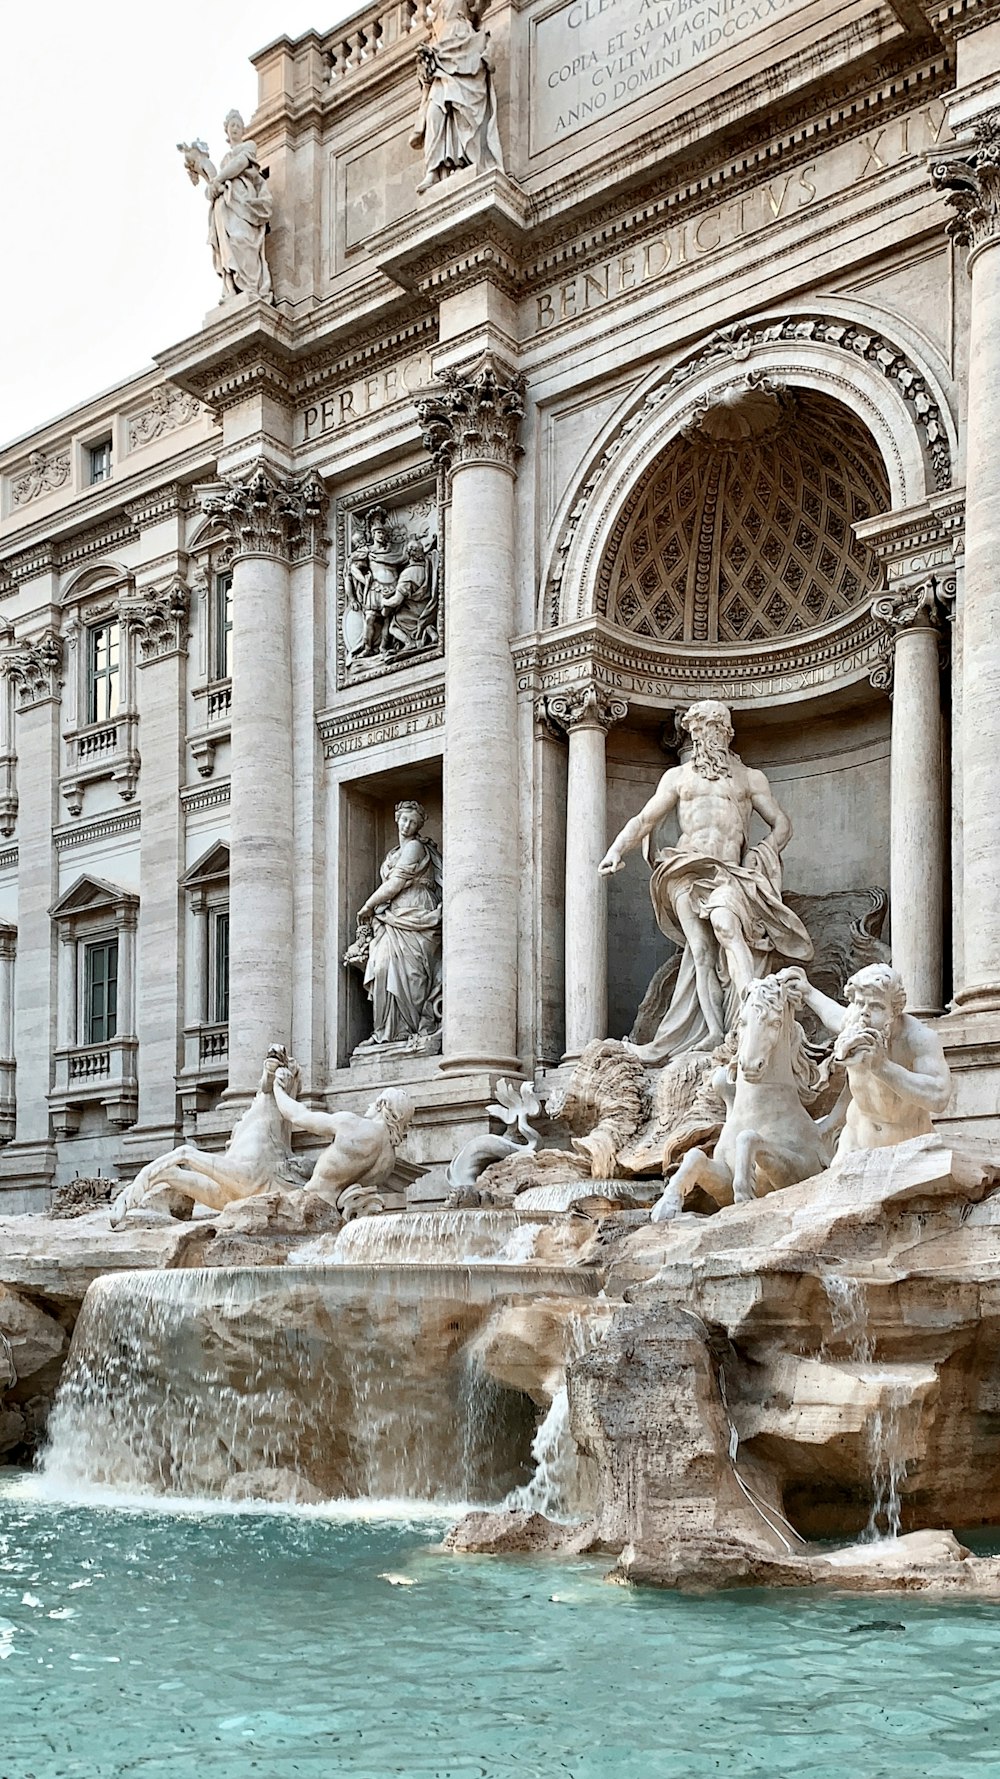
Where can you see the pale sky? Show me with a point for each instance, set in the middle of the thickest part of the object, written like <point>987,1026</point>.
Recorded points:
<point>104,254</point>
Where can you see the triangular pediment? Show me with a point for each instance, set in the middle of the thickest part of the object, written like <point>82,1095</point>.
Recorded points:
<point>210,868</point>
<point>90,894</point>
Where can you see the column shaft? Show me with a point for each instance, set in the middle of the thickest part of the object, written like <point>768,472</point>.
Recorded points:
<point>159,942</point>
<point>586,892</point>
<point>480,775</point>
<point>260,884</point>
<point>917,826</point>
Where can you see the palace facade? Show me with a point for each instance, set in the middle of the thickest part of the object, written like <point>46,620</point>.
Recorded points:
<point>696,396</point>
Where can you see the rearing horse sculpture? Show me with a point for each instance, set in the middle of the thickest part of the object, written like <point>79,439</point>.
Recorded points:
<point>257,1157</point>
<point>768,1139</point>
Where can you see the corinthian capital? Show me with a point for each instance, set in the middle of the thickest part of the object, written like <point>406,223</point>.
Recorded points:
<point>268,514</point>
<point>969,177</point>
<point>33,667</point>
<point>158,618</point>
<point>474,416</point>
<point>926,605</point>
<point>584,707</point>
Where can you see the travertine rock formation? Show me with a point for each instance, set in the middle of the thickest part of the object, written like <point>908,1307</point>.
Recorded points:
<point>853,1323</point>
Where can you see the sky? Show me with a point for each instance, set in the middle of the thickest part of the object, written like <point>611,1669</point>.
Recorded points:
<point>102,237</point>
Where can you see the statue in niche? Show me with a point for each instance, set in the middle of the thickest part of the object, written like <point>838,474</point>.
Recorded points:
<point>896,1069</point>
<point>457,121</point>
<point>240,210</point>
<point>398,942</point>
<point>713,894</point>
<point>390,591</point>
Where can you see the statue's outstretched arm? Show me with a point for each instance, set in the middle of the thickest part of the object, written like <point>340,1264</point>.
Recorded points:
<point>316,1124</point>
<point>660,805</point>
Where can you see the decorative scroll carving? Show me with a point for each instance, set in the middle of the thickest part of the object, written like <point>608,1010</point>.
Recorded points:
<point>34,668</point>
<point>391,586</point>
<point>742,530</point>
<point>42,476</point>
<point>925,605</point>
<point>474,417</point>
<point>969,177</point>
<point>584,707</point>
<point>158,617</point>
<point>168,409</point>
<point>268,516</point>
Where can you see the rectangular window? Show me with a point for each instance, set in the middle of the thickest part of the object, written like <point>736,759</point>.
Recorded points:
<point>218,996</point>
<point>222,627</point>
<point>99,462</point>
<point>103,663</point>
<point>100,991</point>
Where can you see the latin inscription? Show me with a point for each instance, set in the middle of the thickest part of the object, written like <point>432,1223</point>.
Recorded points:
<point>368,395</point>
<point>593,57</point>
<point>774,200</point>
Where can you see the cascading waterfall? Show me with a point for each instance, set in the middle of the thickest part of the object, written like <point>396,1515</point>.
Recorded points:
<point>564,1483</point>
<point>305,1382</point>
<point>417,1238</point>
<point>887,1463</point>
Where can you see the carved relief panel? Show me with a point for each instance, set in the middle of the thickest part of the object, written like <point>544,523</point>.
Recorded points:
<point>390,578</point>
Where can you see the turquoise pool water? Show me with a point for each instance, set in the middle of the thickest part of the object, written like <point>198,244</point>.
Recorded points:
<point>222,1645</point>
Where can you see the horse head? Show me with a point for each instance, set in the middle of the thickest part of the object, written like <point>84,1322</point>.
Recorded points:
<point>766,1018</point>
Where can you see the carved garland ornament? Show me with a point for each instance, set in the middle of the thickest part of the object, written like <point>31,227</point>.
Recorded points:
<point>34,667</point>
<point>735,345</point>
<point>475,416</point>
<point>42,476</point>
<point>268,516</point>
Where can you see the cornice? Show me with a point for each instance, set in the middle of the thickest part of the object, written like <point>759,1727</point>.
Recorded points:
<point>392,717</point>
<point>198,797</point>
<point>103,827</point>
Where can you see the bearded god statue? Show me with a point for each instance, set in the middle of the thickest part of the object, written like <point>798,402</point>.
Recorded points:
<point>713,894</point>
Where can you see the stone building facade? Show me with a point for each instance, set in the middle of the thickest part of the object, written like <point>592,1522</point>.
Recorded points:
<point>691,398</point>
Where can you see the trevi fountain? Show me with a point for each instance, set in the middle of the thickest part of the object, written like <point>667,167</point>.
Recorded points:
<point>500,927</point>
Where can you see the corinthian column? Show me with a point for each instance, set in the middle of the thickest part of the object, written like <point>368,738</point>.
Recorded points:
<point>586,714</point>
<point>470,425</point>
<point>273,521</point>
<point>913,619</point>
<point>970,178</point>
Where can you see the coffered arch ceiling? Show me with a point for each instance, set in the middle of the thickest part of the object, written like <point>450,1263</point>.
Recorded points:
<point>741,529</point>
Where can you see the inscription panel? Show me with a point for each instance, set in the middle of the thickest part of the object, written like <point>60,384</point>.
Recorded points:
<point>592,58</point>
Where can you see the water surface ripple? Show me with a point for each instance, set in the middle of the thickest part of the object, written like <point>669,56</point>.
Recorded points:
<point>224,1644</point>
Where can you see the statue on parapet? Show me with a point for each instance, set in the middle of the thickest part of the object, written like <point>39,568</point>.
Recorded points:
<point>713,894</point>
<point>257,1158</point>
<point>457,121</point>
<point>361,1150</point>
<point>240,212</point>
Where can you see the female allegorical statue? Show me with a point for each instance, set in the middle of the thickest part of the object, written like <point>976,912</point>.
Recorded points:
<point>240,210</point>
<point>398,941</point>
<point>457,121</point>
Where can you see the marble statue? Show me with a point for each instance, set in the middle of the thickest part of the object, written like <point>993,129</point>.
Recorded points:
<point>398,943</point>
<point>896,1068</point>
<point>361,1151</point>
<point>240,210</point>
<point>457,121</point>
<point>768,1139</point>
<point>390,591</point>
<point>256,1159</point>
<point>713,893</point>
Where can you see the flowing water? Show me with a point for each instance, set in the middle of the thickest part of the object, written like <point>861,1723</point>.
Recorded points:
<point>326,1382</point>
<point>421,1238</point>
<point>885,1432</point>
<point>261,1645</point>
